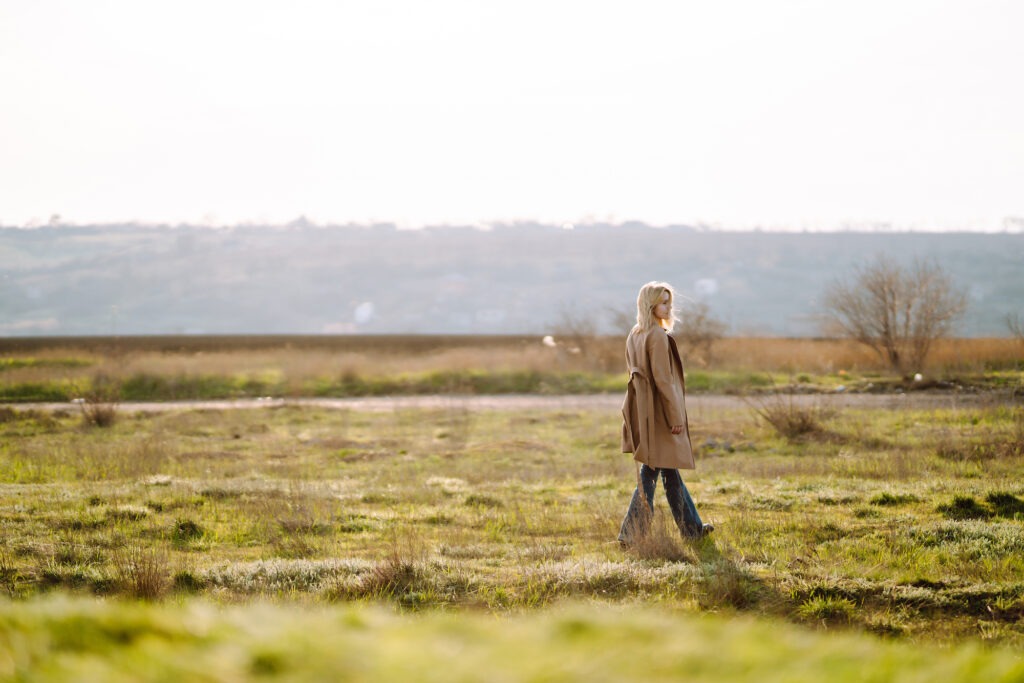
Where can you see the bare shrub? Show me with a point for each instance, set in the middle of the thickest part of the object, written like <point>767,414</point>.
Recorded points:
<point>141,572</point>
<point>698,331</point>
<point>898,312</point>
<point>100,402</point>
<point>577,343</point>
<point>577,329</point>
<point>789,418</point>
<point>621,320</point>
<point>1016,326</point>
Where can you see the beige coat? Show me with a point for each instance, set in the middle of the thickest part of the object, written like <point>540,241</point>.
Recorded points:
<point>655,402</point>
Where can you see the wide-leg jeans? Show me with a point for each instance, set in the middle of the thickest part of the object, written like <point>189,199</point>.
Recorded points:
<point>637,521</point>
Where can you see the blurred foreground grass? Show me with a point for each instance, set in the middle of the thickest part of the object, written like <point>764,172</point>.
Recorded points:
<point>80,640</point>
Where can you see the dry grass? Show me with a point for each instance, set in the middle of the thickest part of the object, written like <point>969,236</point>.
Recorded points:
<point>502,365</point>
<point>662,542</point>
<point>291,364</point>
<point>826,356</point>
<point>141,570</point>
<point>9,573</point>
<point>790,419</point>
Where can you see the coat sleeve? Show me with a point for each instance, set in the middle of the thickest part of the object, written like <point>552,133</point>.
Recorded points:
<point>669,392</point>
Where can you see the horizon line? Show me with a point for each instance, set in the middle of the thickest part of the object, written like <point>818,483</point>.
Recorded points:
<point>1009,225</point>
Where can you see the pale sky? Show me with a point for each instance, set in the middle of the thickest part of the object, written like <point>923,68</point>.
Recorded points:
<point>784,114</point>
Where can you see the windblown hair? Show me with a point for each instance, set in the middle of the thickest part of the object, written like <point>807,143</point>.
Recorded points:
<point>649,296</point>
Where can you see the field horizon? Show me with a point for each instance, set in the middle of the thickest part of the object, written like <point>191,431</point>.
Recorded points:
<point>174,367</point>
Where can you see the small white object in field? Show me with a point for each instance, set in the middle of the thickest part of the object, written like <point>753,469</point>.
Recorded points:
<point>918,377</point>
<point>363,313</point>
<point>548,341</point>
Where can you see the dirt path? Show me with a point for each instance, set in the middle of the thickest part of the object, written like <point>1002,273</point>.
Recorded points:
<point>695,402</point>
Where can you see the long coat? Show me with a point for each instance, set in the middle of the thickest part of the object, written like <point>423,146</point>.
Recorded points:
<point>655,402</point>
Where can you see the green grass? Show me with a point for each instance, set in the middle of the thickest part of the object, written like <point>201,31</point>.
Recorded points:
<point>154,387</point>
<point>62,640</point>
<point>63,379</point>
<point>17,362</point>
<point>881,522</point>
<point>515,510</point>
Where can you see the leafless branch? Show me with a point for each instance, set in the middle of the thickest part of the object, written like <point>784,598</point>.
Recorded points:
<point>899,312</point>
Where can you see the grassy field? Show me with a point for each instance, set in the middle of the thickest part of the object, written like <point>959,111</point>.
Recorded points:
<point>191,368</point>
<point>905,524</point>
<point>296,542</point>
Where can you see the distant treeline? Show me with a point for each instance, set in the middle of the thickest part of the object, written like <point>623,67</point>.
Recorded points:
<point>511,279</point>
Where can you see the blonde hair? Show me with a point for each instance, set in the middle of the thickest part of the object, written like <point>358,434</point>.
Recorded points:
<point>649,297</point>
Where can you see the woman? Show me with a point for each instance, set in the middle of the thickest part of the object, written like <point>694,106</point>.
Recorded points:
<point>654,425</point>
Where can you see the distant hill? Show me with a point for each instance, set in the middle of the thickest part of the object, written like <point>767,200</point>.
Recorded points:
<point>511,279</point>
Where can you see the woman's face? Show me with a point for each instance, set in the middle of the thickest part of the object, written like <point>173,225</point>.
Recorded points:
<point>663,309</point>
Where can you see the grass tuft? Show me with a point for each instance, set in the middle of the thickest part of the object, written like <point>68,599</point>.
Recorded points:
<point>186,531</point>
<point>828,609</point>
<point>480,500</point>
<point>887,499</point>
<point>1005,504</point>
<point>964,507</point>
<point>189,581</point>
<point>141,571</point>
<point>399,572</point>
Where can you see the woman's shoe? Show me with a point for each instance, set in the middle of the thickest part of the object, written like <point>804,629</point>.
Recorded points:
<point>703,532</point>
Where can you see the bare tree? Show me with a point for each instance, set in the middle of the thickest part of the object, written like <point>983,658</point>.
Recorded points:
<point>899,312</point>
<point>576,328</point>
<point>620,319</point>
<point>579,344</point>
<point>1015,325</point>
<point>698,330</point>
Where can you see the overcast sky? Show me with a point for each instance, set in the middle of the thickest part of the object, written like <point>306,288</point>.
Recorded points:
<point>764,113</point>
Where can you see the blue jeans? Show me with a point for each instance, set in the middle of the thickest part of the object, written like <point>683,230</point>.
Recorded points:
<point>637,520</point>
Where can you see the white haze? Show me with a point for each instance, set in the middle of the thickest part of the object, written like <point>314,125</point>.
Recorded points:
<point>785,114</point>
